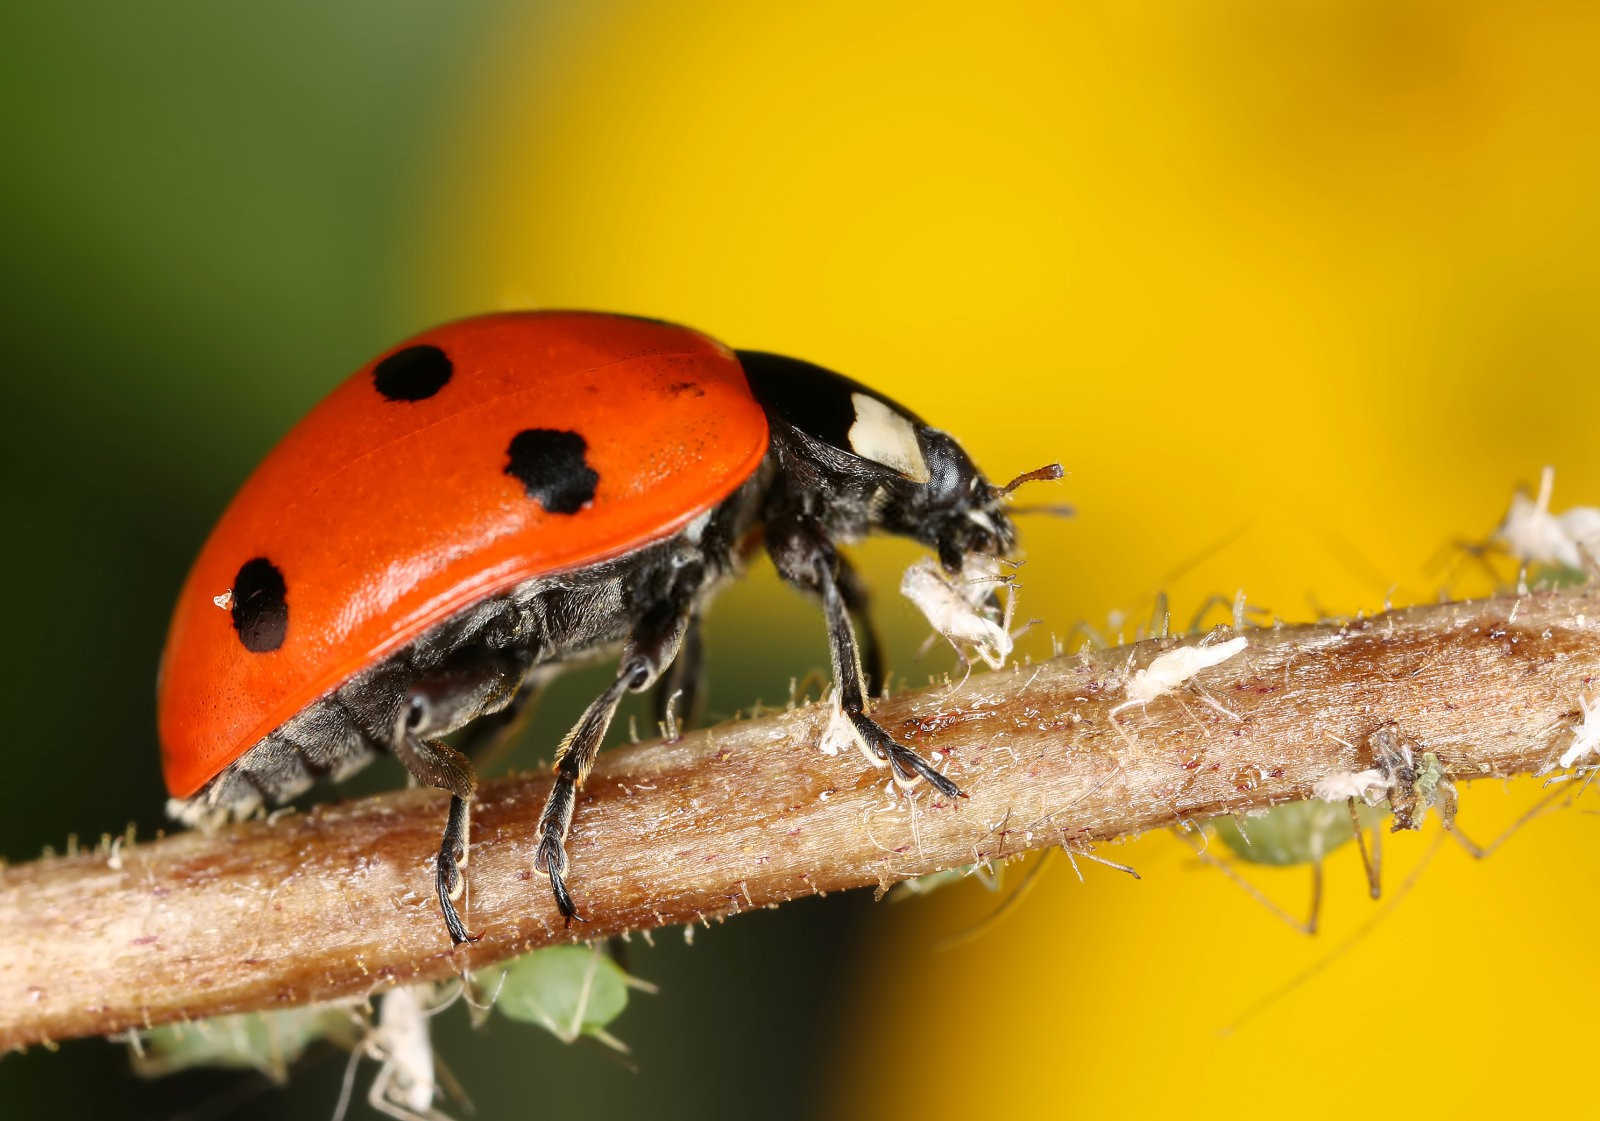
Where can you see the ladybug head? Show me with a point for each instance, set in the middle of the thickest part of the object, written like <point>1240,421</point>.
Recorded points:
<point>865,463</point>
<point>958,512</point>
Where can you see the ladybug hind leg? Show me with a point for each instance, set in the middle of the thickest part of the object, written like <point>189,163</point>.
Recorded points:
<point>654,645</point>
<point>434,706</point>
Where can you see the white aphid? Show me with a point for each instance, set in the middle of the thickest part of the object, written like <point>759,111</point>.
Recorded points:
<point>958,607</point>
<point>406,1084</point>
<point>225,600</point>
<point>1585,737</point>
<point>1536,536</point>
<point>1168,671</point>
<point>1341,786</point>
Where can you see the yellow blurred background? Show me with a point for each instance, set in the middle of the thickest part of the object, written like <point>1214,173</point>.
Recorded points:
<point>1298,293</point>
<point>1301,289</point>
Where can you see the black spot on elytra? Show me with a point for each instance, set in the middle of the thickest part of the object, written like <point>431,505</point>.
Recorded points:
<point>260,611</point>
<point>678,388</point>
<point>549,464</point>
<point>413,374</point>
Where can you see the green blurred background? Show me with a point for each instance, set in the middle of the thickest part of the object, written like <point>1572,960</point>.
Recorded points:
<point>1314,283</point>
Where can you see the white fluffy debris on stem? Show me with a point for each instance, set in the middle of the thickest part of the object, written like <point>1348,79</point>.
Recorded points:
<point>1168,671</point>
<point>1536,536</point>
<point>1585,737</point>
<point>840,733</point>
<point>837,733</point>
<point>1341,786</point>
<point>958,607</point>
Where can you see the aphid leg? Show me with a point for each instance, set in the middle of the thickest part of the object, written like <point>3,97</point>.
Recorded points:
<point>1307,926</point>
<point>681,680</point>
<point>655,642</point>
<point>853,590</point>
<point>1371,862</point>
<point>1544,805</point>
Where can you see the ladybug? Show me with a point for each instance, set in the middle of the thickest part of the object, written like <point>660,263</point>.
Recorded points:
<point>499,497</point>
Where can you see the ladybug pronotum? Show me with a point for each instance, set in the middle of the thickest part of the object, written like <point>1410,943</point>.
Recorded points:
<point>499,497</point>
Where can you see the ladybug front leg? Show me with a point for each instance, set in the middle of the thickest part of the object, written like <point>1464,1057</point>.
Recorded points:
<point>655,643</point>
<point>853,590</point>
<point>806,558</point>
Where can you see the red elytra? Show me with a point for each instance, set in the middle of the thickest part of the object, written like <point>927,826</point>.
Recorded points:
<point>385,515</point>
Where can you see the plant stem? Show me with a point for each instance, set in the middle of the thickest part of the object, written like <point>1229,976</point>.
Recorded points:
<point>339,901</point>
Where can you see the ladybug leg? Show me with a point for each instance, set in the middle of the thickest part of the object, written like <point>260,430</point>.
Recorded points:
<point>435,764</point>
<point>655,643</point>
<point>853,590</point>
<point>681,680</point>
<point>487,739</point>
<point>804,556</point>
<point>436,705</point>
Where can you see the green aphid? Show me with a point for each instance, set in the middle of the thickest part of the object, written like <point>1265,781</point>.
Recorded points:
<point>1557,576</point>
<point>933,881</point>
<point>1294,833</point>
<point>263,1041</point>
<point>570,991</point>
<point>1304,833</point>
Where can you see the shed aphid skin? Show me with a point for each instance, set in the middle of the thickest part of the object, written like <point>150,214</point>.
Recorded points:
<point>474,511</point>
<point>1532,534</point>
<point>962,607</point>
<point>408,1077</point>
<point>1585,737</point>
<point>1173,669</point>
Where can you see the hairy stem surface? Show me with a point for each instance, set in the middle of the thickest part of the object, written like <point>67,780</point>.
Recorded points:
<point>338,901</point>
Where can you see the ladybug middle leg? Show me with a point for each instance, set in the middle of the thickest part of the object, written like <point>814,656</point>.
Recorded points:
<point>679,690</point>
<point>648,652</point>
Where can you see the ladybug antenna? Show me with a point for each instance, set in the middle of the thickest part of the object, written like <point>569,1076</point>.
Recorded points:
<point>1047,472</point>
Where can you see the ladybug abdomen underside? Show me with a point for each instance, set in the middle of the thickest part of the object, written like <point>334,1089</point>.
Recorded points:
<point>453,474</point>
<point>540,626</point>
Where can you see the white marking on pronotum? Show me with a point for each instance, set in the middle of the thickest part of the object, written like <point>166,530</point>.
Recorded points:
<point>958,608</point>
<point>887,437</point>
<point>1536,536</point>
<point>1168,671</point>
<point>225,600</point>
<point>1585,737</point>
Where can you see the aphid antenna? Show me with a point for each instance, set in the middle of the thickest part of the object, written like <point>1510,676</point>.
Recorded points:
<point>1307,926</point>
<point>1344,947</point>
<point>1005,907</point>
<point>1044,509</point>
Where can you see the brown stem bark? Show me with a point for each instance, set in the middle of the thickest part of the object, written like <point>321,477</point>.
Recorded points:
<point>338,901</point>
